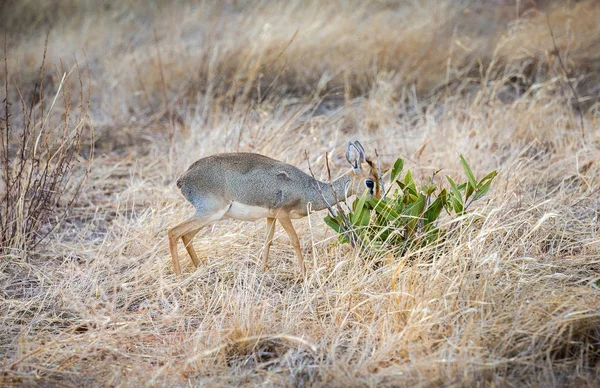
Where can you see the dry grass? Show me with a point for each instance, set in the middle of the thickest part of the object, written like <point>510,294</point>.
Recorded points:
<point>512,299</point>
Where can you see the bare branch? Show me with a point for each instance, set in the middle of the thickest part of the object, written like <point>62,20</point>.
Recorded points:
<point>163,87</point>
<point>346,227</point>
<point>562,65</point>
<point>380,175</point>
<point>329,207</point>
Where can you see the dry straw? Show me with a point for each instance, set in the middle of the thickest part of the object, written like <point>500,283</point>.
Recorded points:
<point>511,299</point>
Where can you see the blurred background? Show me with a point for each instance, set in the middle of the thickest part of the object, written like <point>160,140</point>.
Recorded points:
<point>186,64</point>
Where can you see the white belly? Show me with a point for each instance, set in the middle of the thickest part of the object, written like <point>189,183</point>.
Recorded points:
<point>239,211</point>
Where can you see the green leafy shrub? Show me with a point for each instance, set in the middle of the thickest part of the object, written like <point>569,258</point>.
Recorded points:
<point>409,217</point>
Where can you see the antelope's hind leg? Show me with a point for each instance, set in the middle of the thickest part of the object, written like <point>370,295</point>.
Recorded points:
<point>189,228</point>
<point>187,242</point>
<point>270,231</point>
<point>178,231</point>
<point>286,222</point>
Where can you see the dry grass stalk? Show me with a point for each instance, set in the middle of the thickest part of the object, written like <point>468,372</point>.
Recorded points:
<point>512,299</point>
<point>38,181</point>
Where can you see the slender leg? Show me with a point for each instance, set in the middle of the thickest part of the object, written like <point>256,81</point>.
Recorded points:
<point>174,254</point>
<point>177,232</point>
<point>187,242</point>
<point>270,231</point>
<point>187,227</point>
<point>286,222</point>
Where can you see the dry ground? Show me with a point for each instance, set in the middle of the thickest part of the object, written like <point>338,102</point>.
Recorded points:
<point>512,299</point>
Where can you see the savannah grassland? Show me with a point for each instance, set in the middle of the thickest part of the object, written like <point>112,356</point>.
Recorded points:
<point>510,298</point>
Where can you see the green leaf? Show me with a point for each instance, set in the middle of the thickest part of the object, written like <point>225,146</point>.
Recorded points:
<point>457,205</point>
<point>482,190</point>
<point>409,184</point>
<point>384,210</point>
<point>384,235</point>
<point>484,185</point>
<point>433,211</point>
<point>470,189</point>
<point>489,177</point>
<point>435,174</point>
<point>468,172</point>
<point>419,206</point>
<point>443,196</point>
<point>399,204</point>
<point>343,239</point>
<point>357,209</point>
<point>432,236</point>
<point>333,223</point>
<point>397,169</point>
<point>452,184</point>
<point>428,189</point>
<point>456,197</point>
<point>415,211</point>
<point>361,214</point>
<point>360,202</point>
<point>364,218</point>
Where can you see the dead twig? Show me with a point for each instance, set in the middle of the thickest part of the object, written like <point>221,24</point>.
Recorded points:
<point>564,68</point>
<point>163,87</point>
<point>329,207</point>
<point>347,228</point>
<point>380,176</point>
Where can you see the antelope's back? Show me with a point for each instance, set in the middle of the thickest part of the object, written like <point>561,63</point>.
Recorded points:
<point>247,178</point>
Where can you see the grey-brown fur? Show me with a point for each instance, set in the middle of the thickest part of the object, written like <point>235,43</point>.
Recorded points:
<point>249,186</point>
<point>273,184</point>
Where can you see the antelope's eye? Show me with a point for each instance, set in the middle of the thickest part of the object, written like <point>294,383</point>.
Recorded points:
<point>370,184</point>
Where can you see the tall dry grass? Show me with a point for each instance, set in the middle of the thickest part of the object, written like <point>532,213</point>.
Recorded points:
<point>40,154</point>
<point>511,299</point>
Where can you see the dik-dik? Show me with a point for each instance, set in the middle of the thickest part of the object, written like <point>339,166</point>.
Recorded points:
<point>248,186</point>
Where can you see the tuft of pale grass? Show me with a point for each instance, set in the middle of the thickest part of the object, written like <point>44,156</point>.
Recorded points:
<point>510,298</point>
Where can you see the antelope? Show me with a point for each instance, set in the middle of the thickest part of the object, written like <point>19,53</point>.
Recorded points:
<point>248,186</point>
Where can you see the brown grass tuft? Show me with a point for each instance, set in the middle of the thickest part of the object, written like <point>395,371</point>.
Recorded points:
<point>511,299</point>
<point>39,149</point>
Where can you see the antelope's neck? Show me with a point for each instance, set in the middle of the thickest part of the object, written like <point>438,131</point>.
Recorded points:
<point>341,190</point>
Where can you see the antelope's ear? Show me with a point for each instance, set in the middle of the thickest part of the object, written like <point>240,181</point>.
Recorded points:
<point>361,150</point>
<point>353,156</point>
